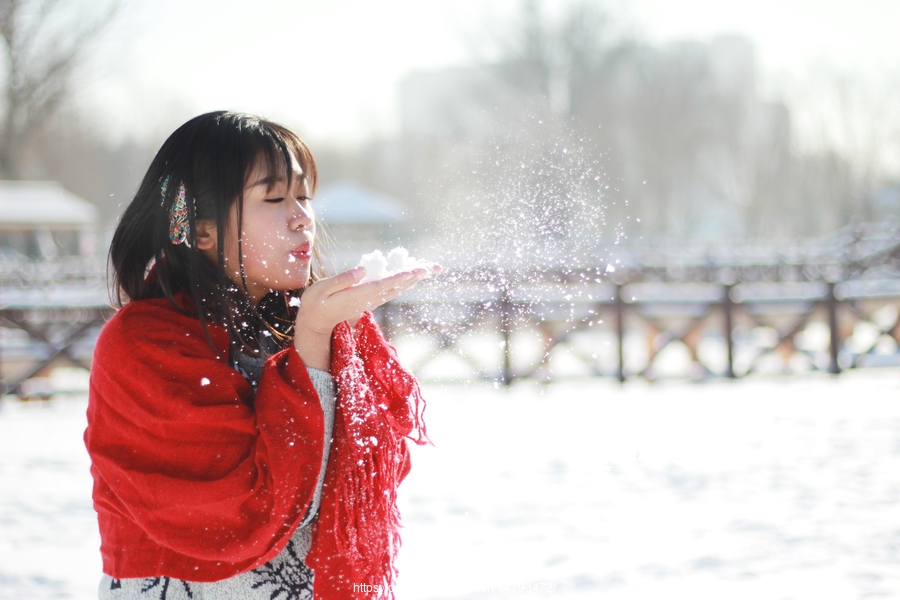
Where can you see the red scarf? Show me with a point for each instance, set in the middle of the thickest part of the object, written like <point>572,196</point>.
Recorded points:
<point>380,404</point>
<point>193,483</point>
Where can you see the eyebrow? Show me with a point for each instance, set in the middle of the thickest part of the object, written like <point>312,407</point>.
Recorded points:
<point>269,180</point>
<point>266,181</point>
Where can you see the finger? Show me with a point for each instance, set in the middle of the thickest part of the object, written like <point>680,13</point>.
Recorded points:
<point>382,283</point>
<point>375,293</point>
<point>369,295</point>
<point>341,281</point>
<point>403,282</point>
<point>425,270</point>
<point>358,298</point>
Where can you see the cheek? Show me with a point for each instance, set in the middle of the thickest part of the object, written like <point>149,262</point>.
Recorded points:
<point>246,254</point>
<point>253,254</point>
<point>264,250</point>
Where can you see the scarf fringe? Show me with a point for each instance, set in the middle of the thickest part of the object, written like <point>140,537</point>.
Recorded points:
<point>381,404</point>
<point>391,381</point>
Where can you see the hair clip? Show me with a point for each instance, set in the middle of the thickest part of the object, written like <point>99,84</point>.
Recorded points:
<point>163,189</point>
<point>179,226</point>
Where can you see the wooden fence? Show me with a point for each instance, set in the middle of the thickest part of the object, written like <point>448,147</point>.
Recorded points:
<point>829,309</point>
<point>648,329</point>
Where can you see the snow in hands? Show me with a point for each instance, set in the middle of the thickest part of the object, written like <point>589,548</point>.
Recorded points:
<point>378,266</point>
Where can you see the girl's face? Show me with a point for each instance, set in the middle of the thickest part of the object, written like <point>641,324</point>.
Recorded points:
<point>278,232</point>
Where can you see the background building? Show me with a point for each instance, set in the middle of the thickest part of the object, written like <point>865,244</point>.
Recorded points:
<point>359,219</point>
<point>43,220</point>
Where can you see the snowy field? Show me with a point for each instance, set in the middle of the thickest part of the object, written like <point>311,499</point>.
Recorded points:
<point>775,488</point>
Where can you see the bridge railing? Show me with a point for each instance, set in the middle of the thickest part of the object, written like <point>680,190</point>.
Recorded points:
<point>646,320</point>
<point>646,329</point>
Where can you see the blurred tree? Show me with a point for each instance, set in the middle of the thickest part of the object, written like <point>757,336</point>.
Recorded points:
<point>558,59</point>
<point>687,149</point>
<point>496,163</point>
<point>43,43</point>
<point>70,150</point>
<point>855,118</point>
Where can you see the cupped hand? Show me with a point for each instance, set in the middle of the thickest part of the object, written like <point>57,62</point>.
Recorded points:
<point>333,300</point>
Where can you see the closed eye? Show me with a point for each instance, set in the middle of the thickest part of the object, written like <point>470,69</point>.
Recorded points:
<point>277,200</point>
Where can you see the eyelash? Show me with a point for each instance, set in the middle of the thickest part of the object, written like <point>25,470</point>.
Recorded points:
<point>277,200</point>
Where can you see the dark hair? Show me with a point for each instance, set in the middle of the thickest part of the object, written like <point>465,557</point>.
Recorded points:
<point>211,155</point>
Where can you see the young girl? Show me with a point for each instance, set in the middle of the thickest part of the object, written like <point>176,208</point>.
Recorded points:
<point>246,440</point>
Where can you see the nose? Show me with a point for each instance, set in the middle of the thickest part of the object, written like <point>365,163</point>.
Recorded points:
<point>301,215</point>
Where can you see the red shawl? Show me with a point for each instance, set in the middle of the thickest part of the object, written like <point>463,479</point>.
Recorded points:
<point>198,479</point>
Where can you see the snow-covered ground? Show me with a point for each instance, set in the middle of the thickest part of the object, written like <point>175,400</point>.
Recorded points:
<point>771,488</point>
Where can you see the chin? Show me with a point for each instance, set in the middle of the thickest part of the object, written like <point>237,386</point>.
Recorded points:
<point>294,283</point>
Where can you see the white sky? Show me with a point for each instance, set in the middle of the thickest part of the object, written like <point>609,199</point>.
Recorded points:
<point>331,67</point>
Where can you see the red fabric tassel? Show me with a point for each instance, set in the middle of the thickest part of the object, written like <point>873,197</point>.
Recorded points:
<point>358,531</point>
<point>395,388</point>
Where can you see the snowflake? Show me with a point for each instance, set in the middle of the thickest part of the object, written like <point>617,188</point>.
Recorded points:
<point>288,574</point>
<point>163,584</point>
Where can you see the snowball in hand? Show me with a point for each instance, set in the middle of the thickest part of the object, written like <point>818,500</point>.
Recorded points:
<point>378,266</point>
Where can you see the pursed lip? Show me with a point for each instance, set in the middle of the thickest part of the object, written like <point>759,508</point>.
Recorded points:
<point>303,251</point>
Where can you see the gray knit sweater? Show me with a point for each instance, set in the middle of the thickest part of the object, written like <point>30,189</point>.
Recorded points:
<point>286,575</point>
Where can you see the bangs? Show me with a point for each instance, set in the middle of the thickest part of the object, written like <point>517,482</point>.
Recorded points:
<point>275,148</point>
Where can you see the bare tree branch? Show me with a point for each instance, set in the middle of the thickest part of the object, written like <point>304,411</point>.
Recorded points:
<point>40,64</point>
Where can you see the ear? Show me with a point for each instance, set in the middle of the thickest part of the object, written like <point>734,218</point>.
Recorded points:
<point>205,236</point>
